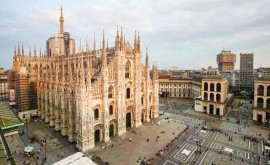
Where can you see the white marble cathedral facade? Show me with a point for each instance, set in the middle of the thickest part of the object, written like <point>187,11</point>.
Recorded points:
<point>91,95</point>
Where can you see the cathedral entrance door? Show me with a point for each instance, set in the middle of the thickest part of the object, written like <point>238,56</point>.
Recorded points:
<point>150,116</point>
<point>128,120</point>
<point>111,130</point>
<point>142,117</point>
<point>97,135</point>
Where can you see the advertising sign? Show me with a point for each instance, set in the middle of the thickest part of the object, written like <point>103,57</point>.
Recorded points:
<point>11,97</point>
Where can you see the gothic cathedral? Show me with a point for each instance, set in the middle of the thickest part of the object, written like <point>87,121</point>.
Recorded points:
<point>91,95</point>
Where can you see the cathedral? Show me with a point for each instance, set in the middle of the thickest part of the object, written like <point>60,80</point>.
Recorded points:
<point>90,95</point>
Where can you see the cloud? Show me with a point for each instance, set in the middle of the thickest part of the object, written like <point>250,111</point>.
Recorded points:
<point>184,33</point>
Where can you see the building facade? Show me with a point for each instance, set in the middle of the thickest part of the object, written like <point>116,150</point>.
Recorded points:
<point>233,79</point>
<point>261,110</point>
<point>226,61</point>
<point>215,97</point>
<point>179,87</point>
<point>3,87</point>
<point>91,95</point>
<point>263,72</point>
<point>246,72</point>
<point>3,84</point>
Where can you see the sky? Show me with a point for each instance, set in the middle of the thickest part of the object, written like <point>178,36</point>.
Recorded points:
<point>187,34</point>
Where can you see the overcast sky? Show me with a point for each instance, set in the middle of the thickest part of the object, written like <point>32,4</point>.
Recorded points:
<point>187,34</point>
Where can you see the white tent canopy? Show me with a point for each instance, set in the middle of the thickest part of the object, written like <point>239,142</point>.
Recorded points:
<point>76,159</point>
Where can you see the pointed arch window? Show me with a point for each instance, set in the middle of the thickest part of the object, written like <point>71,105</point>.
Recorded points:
<point>127,70</point>
<point>110,92</point>
<point>128,93</point>
<point>111,109</point>
<point>96,114</point>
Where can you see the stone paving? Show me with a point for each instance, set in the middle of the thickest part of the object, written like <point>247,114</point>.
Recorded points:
<point>211,157</point>
<point>239,142</point>
<point>124,152</point>
<point>55,146</point>
<point>184,153</point>
<point>16,145</point>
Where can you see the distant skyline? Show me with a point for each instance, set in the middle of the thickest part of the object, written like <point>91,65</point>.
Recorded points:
<point>185,34</point>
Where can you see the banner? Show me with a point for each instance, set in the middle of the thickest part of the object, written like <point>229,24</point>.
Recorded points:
<point>11,97</point>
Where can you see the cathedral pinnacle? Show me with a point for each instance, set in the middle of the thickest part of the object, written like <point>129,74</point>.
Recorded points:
<point>30,51</point>
<point>146,59</point>
<point>135,42</point>
<point>35,51</point>
<point>22,49</point>
<point>80,48</point>
<point>19,51</point>
<point>139,43</point>
<point>40,52</point>
<point>104,48</point>
<point>87,46</point>
<point>61,31</point>
<point>94,42</point>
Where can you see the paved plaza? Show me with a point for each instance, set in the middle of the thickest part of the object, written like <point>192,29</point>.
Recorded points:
<point>124,152</point>
<point>212,157</point>
<point>201,145</point>
<point>56,144</point>
<point>225,147</point>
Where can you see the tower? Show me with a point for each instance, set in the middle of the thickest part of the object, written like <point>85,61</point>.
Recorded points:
<point>61,20</point>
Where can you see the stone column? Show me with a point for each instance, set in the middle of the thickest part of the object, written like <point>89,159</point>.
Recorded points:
<point>56,112</point>
<point>39,100</point>
<point>42,104</point>
<point>47,119</point>
<point>51,94</point>
<point>264,102</point>
<point>71,124</point>
<point>63,114</point>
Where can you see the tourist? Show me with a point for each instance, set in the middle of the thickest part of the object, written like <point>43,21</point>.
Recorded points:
<point>130,139</point>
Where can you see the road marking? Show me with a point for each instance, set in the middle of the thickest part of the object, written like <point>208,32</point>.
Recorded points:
<point>203,158</point>
<point>216,135</point>
<point>168,161</point>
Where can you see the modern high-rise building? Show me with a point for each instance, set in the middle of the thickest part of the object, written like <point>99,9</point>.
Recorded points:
<point>226,61</point>
<point>246,72</point>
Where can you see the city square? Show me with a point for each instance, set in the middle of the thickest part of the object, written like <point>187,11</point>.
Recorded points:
<point>134,82</point>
